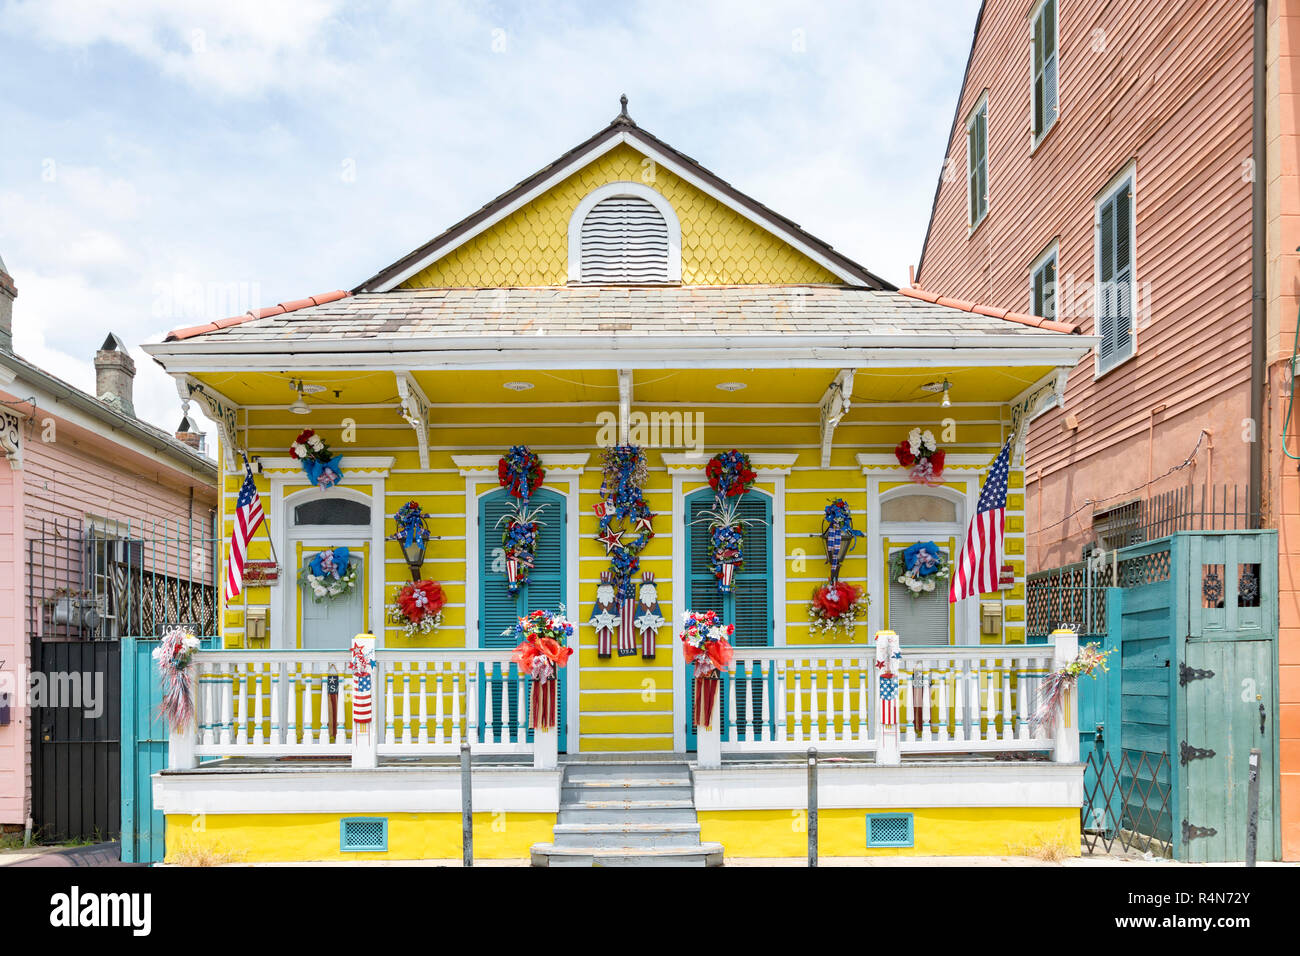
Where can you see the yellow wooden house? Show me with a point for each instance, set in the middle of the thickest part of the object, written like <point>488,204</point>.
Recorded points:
<point>622,295</point>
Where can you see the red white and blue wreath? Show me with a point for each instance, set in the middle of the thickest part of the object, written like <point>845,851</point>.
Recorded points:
<point>622,512</point>
<point>730,476</point>
<point>520,473</point>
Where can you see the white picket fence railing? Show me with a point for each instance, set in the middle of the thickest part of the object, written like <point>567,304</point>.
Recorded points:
<point>286,703</point>
<point>949,699</point>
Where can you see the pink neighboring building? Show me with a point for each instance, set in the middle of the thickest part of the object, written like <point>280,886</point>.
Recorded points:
<point>82,462</point>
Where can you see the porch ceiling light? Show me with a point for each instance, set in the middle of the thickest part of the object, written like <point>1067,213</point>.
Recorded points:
<point>518,386</point>
<point>943,387</point>
<point>731,386</point>
<point>299,407</point>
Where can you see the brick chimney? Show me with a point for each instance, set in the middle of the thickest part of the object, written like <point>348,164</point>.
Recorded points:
<point>8,292</point>
<point>185,433</point>
<point>115,375</point>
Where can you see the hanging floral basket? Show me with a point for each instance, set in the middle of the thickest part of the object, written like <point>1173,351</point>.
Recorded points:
<point>323,467</point>
<point>708,651</point>
<point>919,567</point>
<point>330,574</point>
<point>922,454</point>
<point>418,607</point>
<point>542,651</point>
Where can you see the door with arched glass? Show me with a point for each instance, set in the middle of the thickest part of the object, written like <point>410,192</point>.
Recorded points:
<point>330,611</point>
<point>909,515</point>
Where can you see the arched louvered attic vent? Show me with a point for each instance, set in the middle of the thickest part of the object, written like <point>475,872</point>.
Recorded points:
<point>620,234</point>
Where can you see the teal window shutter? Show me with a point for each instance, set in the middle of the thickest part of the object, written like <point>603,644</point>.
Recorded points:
<point>1046,66</point>
<point>748,605</point>
<point>977,164</point>
<point>1114,295</point>
<point>499,609</point>
<point>1044,288</point>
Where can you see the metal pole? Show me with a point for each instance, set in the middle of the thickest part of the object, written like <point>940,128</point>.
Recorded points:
<point>466,807</point>
<point>812,806</point>
<point>1252,820</point>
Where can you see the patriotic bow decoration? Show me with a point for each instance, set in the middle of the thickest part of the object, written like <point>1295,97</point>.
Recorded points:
<point>520,472</point>
<point>707,650</point>
<point>542,652</point>
<point>323,467</point>
<point>412,525</point>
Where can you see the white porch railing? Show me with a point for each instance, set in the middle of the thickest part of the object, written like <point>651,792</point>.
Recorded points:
<point>299,703</point>
<point>949,700</point>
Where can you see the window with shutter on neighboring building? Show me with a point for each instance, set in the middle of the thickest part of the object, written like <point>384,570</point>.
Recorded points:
<point>1042,285</point>
<point>625,239</point>
<point>1115,294</point>
<point>1046,68</point>
<point>977,163</point>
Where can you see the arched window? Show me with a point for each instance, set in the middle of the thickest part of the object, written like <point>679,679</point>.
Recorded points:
<point>624,233</point>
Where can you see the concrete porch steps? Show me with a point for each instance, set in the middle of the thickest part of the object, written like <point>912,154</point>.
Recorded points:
<point>627,814</point>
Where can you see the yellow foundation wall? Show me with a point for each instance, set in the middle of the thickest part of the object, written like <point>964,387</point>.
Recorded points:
<point>304,837</point>
<point>937,831</point>
<point>626,703</point>
<point>530,246</point>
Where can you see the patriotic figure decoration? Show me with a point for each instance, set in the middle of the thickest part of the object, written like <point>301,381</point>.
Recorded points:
<point>981,554</point>
<point>918,567</point>
<point>542,652</point>
<point>730,476</point>
<point>888,660</point>
<point>707,650</point>
<point>323,467</point>
<point>648,617</point>
<point>361,665</point>
<point>329,574</point>
<point>175,657</point>
<point>418,607</point>
<point>922,454</point>
<point>248,518</point>
<point>604,615</point>
<point>621,499</point>
<point>838,534</point>
<point>520,473</point>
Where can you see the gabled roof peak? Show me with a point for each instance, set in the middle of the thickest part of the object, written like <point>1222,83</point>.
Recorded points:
<point>622,119</point>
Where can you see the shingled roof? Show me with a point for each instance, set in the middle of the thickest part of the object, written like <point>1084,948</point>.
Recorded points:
<point>834,311</point>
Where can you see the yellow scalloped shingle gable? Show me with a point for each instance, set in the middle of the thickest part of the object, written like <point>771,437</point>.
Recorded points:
<point>530,246</point>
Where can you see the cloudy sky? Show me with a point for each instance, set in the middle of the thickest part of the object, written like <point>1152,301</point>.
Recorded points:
<point>166,162</point>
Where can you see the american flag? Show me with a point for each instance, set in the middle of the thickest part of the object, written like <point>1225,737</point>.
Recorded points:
<point>248,518</point>
<point>980,562</point>
<point>888,700</point>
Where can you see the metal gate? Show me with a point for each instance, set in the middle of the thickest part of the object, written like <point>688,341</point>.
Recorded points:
<point>76,750</point>
<point>90,587</point>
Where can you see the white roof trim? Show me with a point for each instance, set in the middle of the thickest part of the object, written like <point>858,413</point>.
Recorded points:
<point>560,464</point>
<point>766,465</point>
<point>585,159</point>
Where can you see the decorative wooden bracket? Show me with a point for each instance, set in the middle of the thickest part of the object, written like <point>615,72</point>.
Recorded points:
<point>11,439</point>
<point>624,404</point>
<point>1047,392</point>
<point>217,407</point>
<point>415,409</point>
<point>834,405</point>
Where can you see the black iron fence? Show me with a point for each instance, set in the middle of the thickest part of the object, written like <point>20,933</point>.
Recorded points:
<point>104,580</point>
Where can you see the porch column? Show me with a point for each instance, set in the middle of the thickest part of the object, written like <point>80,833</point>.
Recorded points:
<point>546,747</point>
<point>180,748</point>
<point>1066,732</point>
<point>708,741</point>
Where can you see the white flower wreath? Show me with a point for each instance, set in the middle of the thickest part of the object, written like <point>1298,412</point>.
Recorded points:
<point>327,587</point>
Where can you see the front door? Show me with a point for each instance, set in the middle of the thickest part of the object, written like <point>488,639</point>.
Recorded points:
<point>499,609</point>
<point>748,605</point>
<point>330,623</point>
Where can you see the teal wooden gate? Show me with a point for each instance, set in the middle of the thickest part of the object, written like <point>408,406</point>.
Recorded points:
<point>749,606</point>
<point>499,609</point>
<point>144,749</point>
<point>1195,621</point>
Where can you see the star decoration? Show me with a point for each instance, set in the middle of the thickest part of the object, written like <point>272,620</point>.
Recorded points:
<point>643,523</point>
<point>612,538</point>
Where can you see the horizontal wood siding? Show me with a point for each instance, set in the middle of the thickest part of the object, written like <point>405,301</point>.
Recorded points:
<point>1165,86</point>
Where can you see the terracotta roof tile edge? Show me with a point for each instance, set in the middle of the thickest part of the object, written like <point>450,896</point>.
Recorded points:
<point>176,335</point>
<point>1037,321</point>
